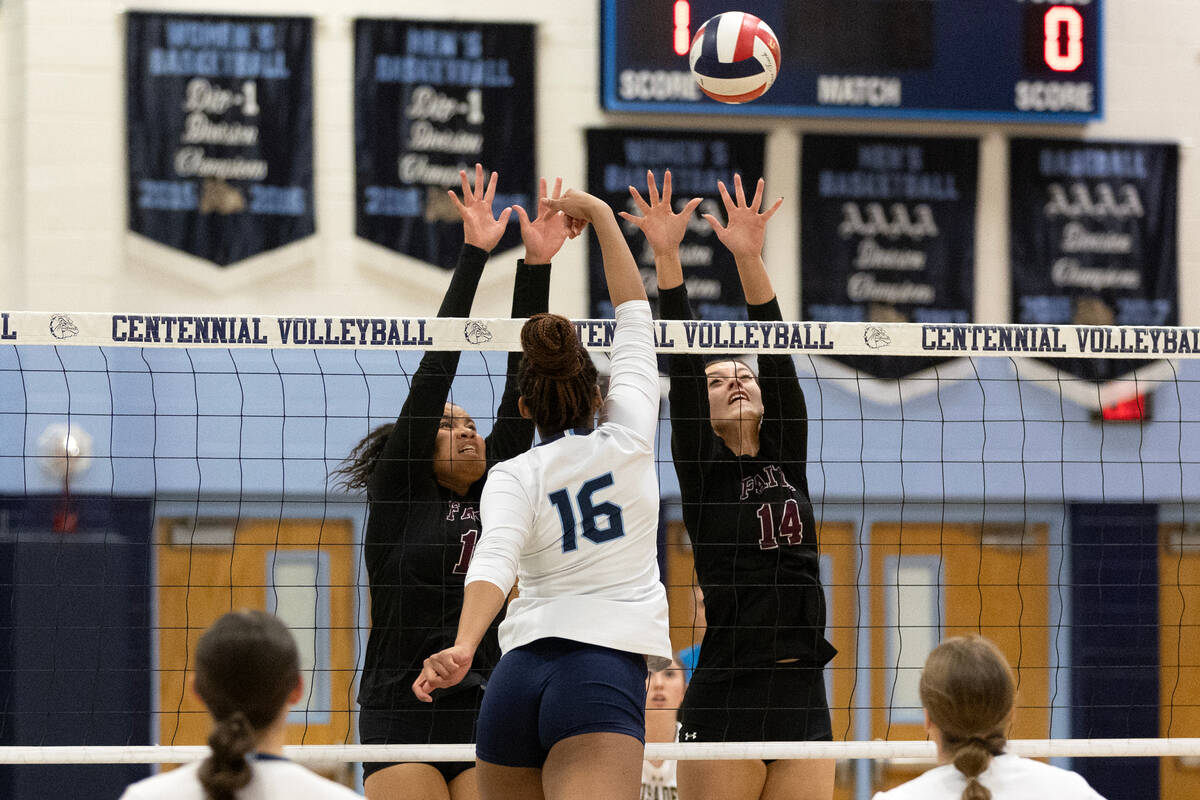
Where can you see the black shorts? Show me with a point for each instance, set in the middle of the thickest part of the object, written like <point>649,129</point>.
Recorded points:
<point>449,719</point>
<point>780,703</point>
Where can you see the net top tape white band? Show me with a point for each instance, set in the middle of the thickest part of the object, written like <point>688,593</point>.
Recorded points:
<point>919,751</point>
<point>429,333</point>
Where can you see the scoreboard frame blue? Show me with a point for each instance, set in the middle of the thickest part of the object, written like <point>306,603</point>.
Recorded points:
<point>979,60</point>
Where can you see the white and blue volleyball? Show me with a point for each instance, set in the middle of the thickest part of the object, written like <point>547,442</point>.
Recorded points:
<point>734,57</point>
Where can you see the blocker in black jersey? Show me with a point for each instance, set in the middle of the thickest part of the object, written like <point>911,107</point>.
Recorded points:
<point>750,518</point>
<point>420,535</point>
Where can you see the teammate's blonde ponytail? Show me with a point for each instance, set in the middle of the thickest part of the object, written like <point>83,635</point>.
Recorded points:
<point>968,691</point>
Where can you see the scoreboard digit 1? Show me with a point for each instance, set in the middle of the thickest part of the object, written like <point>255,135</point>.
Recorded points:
<point>1002,60</point>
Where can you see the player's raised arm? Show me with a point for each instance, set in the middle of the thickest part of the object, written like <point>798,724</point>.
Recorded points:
<point>663,228</point>
<point>620,269</point>
<point>743,234</point>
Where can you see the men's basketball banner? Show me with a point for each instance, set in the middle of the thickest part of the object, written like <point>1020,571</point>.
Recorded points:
<point>432,98</point>
<point>887,233</point>
<point>219,114</point>
<point>1093,237</point>
<point>619,158</point>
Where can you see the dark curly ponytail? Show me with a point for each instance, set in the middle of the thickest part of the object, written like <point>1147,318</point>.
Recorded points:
<point>246,666</point>
<point>355,471</point>
<point>557,377</point>
<point>968,691</point>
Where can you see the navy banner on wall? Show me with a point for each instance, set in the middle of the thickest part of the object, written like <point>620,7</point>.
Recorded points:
<point>619,158</point>
<point>220,126</point>
<point>431,98</point>
<point>1094,238</point>
<point>887,234</point>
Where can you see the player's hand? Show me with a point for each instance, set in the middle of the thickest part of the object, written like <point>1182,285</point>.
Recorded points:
<point>442,669</point>
<point>746,229</point>
<point>580,206</point>
<point>545,234</point>
<point>662,227</point>
<point>480,228</point>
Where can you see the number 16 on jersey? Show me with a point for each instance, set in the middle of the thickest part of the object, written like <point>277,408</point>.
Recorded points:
<point>590,514</point>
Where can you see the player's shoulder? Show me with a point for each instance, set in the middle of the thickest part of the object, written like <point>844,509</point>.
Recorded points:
<point>179,783</point>
<point>1069,785</point>
<point>933,784</point>
<point>296,782</point>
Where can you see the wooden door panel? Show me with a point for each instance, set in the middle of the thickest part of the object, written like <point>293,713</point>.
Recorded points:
<point>931,581</point>
<point>200,581</point>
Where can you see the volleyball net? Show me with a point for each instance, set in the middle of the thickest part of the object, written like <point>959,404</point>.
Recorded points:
<point>157,471</point>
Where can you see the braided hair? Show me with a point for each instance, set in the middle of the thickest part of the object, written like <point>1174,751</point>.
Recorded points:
<point>557,378</point>
<point>967,689</point>
<point>246,666</point>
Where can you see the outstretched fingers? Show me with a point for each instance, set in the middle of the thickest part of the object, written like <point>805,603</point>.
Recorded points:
<point>491,187</point>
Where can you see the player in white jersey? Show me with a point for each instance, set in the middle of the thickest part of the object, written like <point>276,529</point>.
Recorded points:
<point>968,693</point>
<point>247,673</point>
<point>575,520</point>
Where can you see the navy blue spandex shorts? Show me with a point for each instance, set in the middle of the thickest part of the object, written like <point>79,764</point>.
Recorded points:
<point>552,689</point>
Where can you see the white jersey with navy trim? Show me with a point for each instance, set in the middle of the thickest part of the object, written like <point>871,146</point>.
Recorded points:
<point>273,779</point>
<point>1009,777</point>
<point>575,519</point>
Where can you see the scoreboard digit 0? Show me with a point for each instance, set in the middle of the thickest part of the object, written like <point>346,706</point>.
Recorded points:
<point>1002,60</point>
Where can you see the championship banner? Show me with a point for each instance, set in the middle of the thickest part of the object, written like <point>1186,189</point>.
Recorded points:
<point>1093,237</point>
<point>219,113</point>
<point>430,99</point>
<point>887,233</point>
<point>619,157</point>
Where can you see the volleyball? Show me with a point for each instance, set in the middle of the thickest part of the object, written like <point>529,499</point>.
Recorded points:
<point>734,57</point>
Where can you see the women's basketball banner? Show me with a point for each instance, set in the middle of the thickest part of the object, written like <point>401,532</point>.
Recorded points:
<point>1093,237</point>
<point>619,158</point>
<point>887,233</point>
<point>432,98</point>
<point>219,112</point>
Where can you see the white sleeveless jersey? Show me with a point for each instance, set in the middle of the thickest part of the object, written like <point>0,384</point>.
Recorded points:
<point>1009,777</point>
<point>575,519</point>
<point>274,779</point>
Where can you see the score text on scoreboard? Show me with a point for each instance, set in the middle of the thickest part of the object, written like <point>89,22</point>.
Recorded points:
<point>1003,60</point>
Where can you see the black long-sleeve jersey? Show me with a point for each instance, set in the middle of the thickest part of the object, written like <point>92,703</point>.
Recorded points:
<point>420,535</point>
<point>749,517</point>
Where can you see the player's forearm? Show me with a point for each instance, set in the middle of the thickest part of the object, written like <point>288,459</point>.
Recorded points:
<point>755,283</point>
<point>460,294</point>
<point>482,601</point>
<point>669,269</point>
<point>620,270</point>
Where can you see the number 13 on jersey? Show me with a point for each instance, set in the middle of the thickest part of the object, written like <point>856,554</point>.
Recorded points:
<point>589,513</point>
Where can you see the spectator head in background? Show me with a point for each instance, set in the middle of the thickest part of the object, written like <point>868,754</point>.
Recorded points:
<point>968,692</point>
<point>664,693</point>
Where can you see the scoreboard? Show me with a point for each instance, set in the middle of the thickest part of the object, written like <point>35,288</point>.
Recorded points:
<point>999,60</point>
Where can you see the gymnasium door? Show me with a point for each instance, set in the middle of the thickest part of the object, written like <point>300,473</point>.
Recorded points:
<point>1179,638</point>
<point>929,581</point>
<point>839,549</point>
<point>300,570</point>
